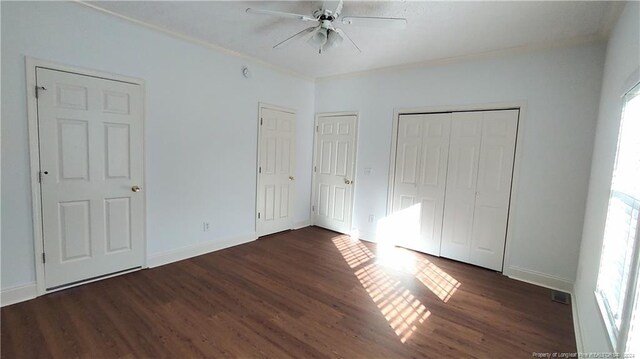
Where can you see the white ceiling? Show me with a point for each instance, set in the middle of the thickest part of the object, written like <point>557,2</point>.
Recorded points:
<point>435,30</point>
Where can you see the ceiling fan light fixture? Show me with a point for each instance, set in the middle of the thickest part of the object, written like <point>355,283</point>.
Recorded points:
<point>334,39</point>
<point>318,39</point>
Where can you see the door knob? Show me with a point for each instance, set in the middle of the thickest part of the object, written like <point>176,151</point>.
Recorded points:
<point>291,178</point>
<point>346,181</point>
<point>135,189</point>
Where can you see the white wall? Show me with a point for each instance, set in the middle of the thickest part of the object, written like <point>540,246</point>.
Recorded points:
<point>561,88</point>
<point>620,73</point>
<point>201,125</point>
<point>199,108</point>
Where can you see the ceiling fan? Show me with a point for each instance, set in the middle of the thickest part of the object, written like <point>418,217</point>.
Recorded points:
<point>324,35</point>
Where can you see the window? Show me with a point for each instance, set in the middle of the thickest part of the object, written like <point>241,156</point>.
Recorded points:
<point>617,290</point>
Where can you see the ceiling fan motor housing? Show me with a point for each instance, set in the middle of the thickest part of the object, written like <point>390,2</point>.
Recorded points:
<point>322,15</point>
<point>325,24</point>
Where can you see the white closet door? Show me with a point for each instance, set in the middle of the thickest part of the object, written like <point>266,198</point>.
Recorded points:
<point>91,143</point>
<point>276,171</point>
<point>493,190</point>
<point>420,180</point>
<point>462,177</point>
<point>334,168</point>
<point>479,187</point>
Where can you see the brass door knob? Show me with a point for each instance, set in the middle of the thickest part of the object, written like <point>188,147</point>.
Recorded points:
<point>135,189</point>
<point>291,178</point>
<point>346,181</point>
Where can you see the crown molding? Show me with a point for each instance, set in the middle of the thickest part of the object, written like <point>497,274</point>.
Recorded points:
<point>177,35</point>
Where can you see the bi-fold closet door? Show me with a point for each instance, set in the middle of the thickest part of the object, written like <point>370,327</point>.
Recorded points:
<point>455,171</point>
<point>420,179</point>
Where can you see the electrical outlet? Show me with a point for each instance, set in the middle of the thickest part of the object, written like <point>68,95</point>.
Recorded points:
<point>206,226</point>
<point>371,218</point>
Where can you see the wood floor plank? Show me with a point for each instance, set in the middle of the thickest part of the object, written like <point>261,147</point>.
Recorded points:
<point>308,293</point>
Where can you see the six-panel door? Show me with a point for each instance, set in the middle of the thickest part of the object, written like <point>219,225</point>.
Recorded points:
<point>276,170</point>
<point>335,159</point>
<point>91,157</point>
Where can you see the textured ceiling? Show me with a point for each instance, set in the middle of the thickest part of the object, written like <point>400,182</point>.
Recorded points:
<point>435,30</point>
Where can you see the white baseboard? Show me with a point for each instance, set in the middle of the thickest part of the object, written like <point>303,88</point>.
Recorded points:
<point>538,278</point>
<point>576,323</point>
<point>174,255</point>
<point>18,294</point>
<point>302,224</point>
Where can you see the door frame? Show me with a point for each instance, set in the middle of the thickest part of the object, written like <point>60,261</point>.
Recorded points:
<point>517,160</point>
<point>354,165</point>
<point>261,106</point>
<point>31,65</point>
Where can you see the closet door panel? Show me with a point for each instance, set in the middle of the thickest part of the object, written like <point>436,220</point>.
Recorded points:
<point>420,180</point>
<point>433,178</point>
<point>493,188</point>
<point>409,146</point>
<point>402,227</point>
<point>462,177</point>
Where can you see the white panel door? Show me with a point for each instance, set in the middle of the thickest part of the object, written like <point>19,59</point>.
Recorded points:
<point>333,172</point>
<point>420,180</point>
<point>462,176</point>
<point>479,186</point>
<point>91,158</point>
<point>276,169</point>
<point>493,189</point>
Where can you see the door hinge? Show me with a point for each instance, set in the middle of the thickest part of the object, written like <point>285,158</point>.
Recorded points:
<point>44,259</point>
<point>317,128</point>
<point>38,88</point>
<point>258,215</point>
<point>40,177</point>
<point>260,121</point>
<point>313,208</point>
<point>314,168</point>
<point>260,169</point>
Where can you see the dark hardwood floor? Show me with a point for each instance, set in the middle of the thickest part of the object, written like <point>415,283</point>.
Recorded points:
<point>305,293</point>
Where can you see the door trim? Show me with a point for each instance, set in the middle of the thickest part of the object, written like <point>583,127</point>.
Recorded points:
<point>31,64</point>
<point>261,106</point>
<point>517,160</point>
<point>355,160</point>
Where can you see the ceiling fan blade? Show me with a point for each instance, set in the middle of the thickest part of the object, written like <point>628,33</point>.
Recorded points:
<point>386,22</point>
<point>300,34</point>
<point>334,6</point>
<point>287,15</point>
<point>339,31</point>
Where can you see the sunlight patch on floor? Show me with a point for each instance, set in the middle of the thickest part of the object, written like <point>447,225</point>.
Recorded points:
<point>354,252</point>
<point>433,277</point>
<point>437,280</point>
<point>403,229</point>
<point>402,310</point>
